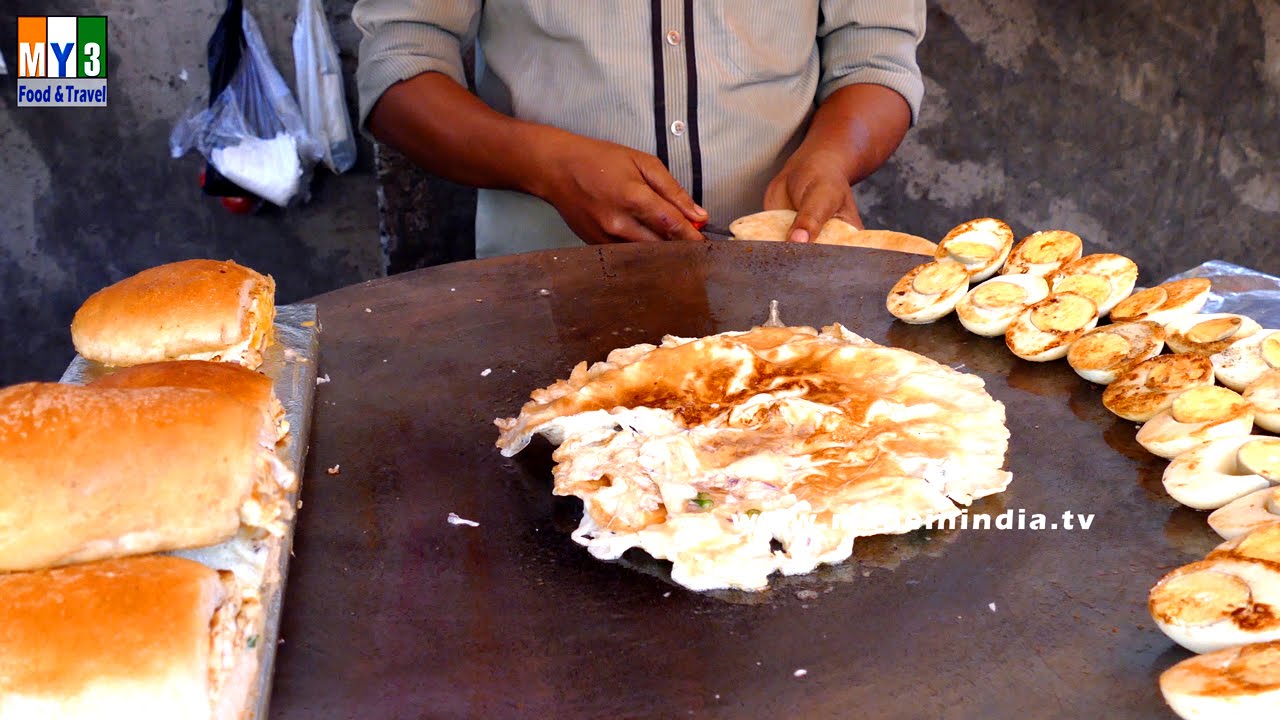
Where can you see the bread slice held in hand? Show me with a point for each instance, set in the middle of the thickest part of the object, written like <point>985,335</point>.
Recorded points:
<point>189,310</point>
<point>145,637</point>
<point>772,226</point>
<point>88,473</point>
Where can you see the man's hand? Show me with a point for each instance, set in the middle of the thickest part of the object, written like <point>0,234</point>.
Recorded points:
<point>605,192</point>
<point>852,133</point>
<point>817,190</point>
<point>608,193</point>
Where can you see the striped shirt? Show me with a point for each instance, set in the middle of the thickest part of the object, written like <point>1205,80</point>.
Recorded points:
<point>720,91</point>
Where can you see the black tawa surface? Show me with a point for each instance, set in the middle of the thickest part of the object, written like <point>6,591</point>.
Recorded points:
<point>392,612</point>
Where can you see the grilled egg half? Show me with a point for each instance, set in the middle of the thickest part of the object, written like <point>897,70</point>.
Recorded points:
<point>1165,302</point>
<point>981,245</point>
<point>1261,457</point>
<point>989,308</point>
<point>1104,353</point>
<point>1104,278</point>
<point>1246,514</point>
<point>1244,362</point>
<point>1264,395</point>
<point>1212,474</point>
<point>1043,253</point>
<point>1209,333</point>
<point>1044,330</point>
<point>1229,598</point>
<point>1197,415</point>
<point>928,292</point>
<point>1238,683</point>
<point>1151,385</point>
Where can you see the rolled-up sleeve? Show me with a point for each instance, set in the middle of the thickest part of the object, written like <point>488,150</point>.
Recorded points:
<point>405,38</point>
<point>872,41</point>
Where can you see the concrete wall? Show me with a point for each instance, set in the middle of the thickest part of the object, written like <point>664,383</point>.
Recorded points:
<point>90,195</point>
<point>1149,127</point>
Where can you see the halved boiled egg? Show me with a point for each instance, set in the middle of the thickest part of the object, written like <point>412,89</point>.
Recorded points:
<point>928,292</point>
<point>1261,457</point>
<point>1264,395</point>
<point>988,308</point>
<point>1045,330</point>
<point>1165,302</point>
<point>1043,253</point>
<point>1105,278</point>
<point>1261,544</point>
<point>1104,353</point>
<point>1209,333</point>
<point>981,245</point>
<point>1247,360</point>
<point>1216,603</point>
<point>1236,683</point>
<point>1197,415</point>
<point>1210,475</point>
<point>1151,385</point>
<point>1244,515</point>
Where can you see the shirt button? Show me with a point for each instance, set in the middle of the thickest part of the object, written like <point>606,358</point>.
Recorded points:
<point>673,37</point>
<point>677,127</point>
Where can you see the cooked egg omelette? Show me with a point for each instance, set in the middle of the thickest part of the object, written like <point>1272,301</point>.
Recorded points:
<point>745,453</point>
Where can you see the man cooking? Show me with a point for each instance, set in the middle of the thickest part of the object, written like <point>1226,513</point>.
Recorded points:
<point>636,122</point>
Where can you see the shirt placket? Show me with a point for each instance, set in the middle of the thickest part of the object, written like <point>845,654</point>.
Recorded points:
<point>675,122</point>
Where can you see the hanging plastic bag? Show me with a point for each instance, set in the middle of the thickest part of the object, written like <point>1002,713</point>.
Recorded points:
<point>318,75</point>
<point>252,134</point>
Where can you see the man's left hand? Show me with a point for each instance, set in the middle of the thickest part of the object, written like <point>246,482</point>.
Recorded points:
<point>852,133</point>
<point>817,191</point>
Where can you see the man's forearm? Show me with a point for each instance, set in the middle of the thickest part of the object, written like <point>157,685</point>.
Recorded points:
<point>861,126</point>
<point>604,191</point>
<point>442,127</point>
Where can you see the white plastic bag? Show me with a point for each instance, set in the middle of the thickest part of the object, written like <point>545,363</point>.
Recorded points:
<point>319,79</point>
<point>252,132</point>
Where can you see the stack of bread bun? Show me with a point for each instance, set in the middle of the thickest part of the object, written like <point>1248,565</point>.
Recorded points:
<point>1203,405</point>
<point>138,513</point>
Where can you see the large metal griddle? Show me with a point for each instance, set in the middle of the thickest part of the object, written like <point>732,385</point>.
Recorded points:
<point>392,612</point>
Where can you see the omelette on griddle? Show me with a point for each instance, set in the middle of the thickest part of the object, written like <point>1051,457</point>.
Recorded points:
<point>745,453</point>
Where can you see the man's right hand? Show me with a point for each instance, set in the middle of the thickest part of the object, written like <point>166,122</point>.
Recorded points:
<point>604,191</point>
<point>609,193</point>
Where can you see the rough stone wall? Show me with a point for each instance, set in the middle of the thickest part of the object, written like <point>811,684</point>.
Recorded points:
<point>90,195</point>
<point>1151,128</point>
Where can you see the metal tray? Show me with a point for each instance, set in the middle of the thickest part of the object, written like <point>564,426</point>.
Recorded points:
<point>291,362</point>
<point>395,613</point>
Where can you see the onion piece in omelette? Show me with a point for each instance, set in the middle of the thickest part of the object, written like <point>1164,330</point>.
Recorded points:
<point>706,451</point>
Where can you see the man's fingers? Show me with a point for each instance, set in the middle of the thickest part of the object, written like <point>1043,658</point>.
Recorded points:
<point>816,208</point>
<point>849,213</point>
<point>666,220</point>
<point>776,197</point>
<point>619,227</point>
<point>666,186</point>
